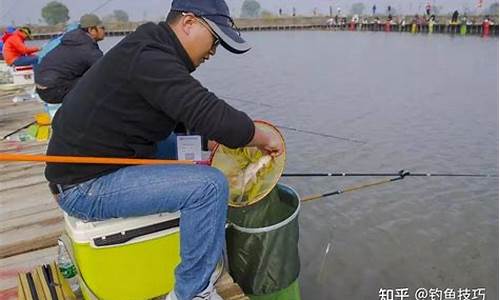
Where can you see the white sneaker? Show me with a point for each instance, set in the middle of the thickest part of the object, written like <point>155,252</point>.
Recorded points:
<point>209,293</point>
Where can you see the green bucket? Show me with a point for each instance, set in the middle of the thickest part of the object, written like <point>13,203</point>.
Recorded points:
<point>463,29</point>
<point>262,246</point>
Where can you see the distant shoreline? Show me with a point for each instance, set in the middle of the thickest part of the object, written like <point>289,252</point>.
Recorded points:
<point>271,21</point>
<point>474,25</point>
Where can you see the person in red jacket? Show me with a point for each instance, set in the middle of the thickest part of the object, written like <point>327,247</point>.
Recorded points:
<point>15,52</point>
<point>8,32</point>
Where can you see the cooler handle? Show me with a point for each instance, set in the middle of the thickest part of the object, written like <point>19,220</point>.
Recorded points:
<point>123,237</point>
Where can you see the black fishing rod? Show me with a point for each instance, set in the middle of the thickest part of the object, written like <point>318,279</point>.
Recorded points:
<point>385,175</point>
<point>401,175</point>
<point>17,130</point>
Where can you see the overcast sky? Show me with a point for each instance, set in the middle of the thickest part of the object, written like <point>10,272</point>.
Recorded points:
<point>29,11</point>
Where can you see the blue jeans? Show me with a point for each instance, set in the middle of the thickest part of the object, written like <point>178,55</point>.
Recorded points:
<point>25,60</point>
<point>199,192</point>
<point>167,148</point>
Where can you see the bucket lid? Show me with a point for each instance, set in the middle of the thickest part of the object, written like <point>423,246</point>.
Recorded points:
<point>251,174</point>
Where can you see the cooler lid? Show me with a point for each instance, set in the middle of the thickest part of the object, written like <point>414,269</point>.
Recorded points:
<point>118,231</point>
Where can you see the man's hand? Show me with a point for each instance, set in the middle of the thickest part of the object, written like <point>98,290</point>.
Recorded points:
<point>266,142</point>
<point>211,145</point>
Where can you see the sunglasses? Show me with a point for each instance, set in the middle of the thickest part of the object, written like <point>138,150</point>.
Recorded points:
<point>216,38</point>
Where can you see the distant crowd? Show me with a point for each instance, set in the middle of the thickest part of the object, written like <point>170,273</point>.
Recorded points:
<point>420,20</point>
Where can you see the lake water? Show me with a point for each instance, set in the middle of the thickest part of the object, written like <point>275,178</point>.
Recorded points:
<point>424,103</point>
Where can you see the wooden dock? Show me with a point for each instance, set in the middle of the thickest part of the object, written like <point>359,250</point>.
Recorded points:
<point>30,219</point>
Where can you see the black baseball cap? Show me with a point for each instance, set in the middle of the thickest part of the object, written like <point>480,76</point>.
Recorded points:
<point>216,14</point>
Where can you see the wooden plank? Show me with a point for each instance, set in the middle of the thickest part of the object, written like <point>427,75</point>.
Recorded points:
<point>51,216</point>
<point>14,167</point>
<point>29,209</point>
<point>11,266</point>
<point>22,182</point>
<point>39,192</point>
<point>22,172</point>
<point>15,115</point>
<point>228,289</point>
<point>23,147</point>
<point>9,170</point>
<point>29,238</point>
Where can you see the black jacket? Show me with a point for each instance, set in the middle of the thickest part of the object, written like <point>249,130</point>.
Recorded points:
<point>68,61</point>
<point>132,98</point>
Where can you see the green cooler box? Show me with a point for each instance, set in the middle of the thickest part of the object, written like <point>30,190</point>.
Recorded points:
<point>126,259</point>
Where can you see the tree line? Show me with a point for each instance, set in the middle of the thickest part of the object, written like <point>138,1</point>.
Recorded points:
<point>57,13</point>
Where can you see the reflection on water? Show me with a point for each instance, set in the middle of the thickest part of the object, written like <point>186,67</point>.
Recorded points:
<point>422,103</point>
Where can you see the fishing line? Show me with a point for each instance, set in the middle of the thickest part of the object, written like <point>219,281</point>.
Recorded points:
<point>247,101</point>
<point>295,129</point>
<point>322,134</point>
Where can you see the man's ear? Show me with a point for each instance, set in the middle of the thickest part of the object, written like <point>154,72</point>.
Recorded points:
<point>187,23</point>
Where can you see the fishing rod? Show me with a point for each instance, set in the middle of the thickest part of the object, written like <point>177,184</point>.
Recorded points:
<point>295,129</point>
<point>93,160</point>
<point>246,101</point>
<point>322,134</point>
<point>17,130</point>
<point>385,175</point>
<point>401,175</point>
<point>100,6</point>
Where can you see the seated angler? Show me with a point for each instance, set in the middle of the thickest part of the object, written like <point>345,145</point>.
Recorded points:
<point>131,99</point>
<point>8,33</point>
<point>59,70</point>
<point>15,52</point>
